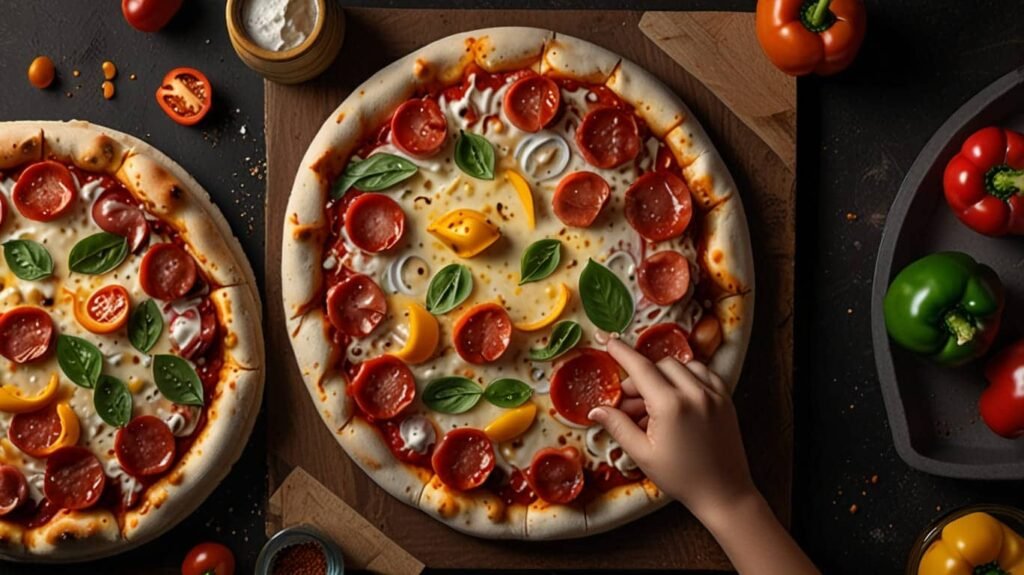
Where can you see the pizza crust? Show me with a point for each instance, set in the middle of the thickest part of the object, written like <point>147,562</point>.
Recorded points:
<point>231,413</point>
<point>305,231</point>
<point>367,448</point>
<point>20,145</point>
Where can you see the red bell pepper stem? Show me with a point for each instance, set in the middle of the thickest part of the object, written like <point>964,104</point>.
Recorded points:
<point>820,10</point>
<point>1005,181</point>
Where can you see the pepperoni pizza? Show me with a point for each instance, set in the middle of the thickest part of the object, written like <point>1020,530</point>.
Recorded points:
<point>463,234</point>
<point>131,359</point>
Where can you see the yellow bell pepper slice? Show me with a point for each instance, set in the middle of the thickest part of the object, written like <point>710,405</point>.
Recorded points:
<point>977,537</point>
<point>424,334</point>
<point>525,196</point>
<point>13,400</point>
<point>561,301</point>
<point>467,232</point>
<point>512,423</point>
<point>69,429</point>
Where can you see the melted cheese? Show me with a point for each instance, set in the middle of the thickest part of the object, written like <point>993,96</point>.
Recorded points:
<point>542,159</point>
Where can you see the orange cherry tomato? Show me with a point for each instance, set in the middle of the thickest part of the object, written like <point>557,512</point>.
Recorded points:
<point>105,311</point>
<point>185,95</point>
<point>209,559</point>
<point>41,72</point>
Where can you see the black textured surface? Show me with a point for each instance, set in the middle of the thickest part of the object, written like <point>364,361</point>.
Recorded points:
<point>859,133</point>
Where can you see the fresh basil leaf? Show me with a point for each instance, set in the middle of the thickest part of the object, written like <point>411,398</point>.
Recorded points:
<point>80,360</point>
<point>378,172</point>
<point>98,254</point>
<point>145,326</point>
<point>28,260</point>
<point>113,401</point>
<point>176,380</point>
<point>565,335</point>
<point>452,394</point>
<point>448,288</point>
<point>606,300</point>
<point>540,260</point>
<point>475,156</point>
<point>507,392</point>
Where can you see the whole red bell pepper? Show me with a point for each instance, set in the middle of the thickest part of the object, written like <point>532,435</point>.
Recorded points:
<point>819,36</point>
<point>1002,402</point>
<point>984,183</point>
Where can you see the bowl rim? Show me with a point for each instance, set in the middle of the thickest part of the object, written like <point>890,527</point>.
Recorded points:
<point>933,529</point>
<point>233,9</point>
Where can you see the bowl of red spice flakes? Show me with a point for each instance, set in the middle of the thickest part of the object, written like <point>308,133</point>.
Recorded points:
<point>300,550</point>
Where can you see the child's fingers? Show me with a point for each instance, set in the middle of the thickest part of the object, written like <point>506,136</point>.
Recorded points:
<point>634,407</point>
<point>709,377</point>
<point>646,378</point>
<point>632,439</point>
<point>681,377</point>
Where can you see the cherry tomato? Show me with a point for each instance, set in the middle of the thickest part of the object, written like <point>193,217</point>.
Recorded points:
<point>185,95</point>
<point>149,15</point>
<point>41,72</point>
<point>105,311</point>
<point>209,559</point>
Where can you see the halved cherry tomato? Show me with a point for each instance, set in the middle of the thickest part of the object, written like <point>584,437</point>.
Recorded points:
<point>419,127</point>
<point>209,559</point>
<point>44,192</point>
<point>383,387</point>
<point>149,15</point>
<point>185,95</point>
<point>26,334</point>
<point>105,311</point>
<point>532,102</point>
<point>374,222</point>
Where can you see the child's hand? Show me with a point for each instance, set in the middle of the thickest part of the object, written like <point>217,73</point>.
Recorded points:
<point>691,447</point>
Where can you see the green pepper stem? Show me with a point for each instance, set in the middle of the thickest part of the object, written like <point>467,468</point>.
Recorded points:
<point>960,325</point>
<point>820,10</point>
<point>1004,181</point>
<point>992,568</point>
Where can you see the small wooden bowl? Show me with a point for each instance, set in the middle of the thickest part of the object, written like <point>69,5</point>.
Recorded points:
<point>301,63</point>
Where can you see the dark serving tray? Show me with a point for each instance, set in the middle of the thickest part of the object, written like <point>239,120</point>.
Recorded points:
<point>932,410</point>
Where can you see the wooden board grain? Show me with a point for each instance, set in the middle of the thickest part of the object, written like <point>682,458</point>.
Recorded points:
<point>670,538</point>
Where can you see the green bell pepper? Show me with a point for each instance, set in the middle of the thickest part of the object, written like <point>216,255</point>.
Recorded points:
<point>945,306</point>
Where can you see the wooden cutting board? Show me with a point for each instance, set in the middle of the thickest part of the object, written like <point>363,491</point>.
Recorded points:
<point>720,45</point>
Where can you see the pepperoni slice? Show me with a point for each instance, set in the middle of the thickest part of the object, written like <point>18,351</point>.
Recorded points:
<point>374,222</point>
<point>419,127</point>
<point>167,272</point>
<point>531,102</point>
<point>356,305</point>
<point>556,475</point>
<point>608,137</point>
<point>74,478</point>
<point>383,387</point>
<point>145,446</point>
<point>707,336</point>
<point>13,489</point>
<point>658,206</point>
<point>483,333</point>
<point>44,192</point>
<point>664,340</point>
<point>579,198</point>
<point>35,431</point>
<point>192,330</point>
<point>26,334</point>
<point>464,458</point>
<point>585,380</point>
<point>115,211</point>
<point>664,277</point>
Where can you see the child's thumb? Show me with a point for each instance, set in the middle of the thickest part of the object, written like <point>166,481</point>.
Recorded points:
<point>622,429</point>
